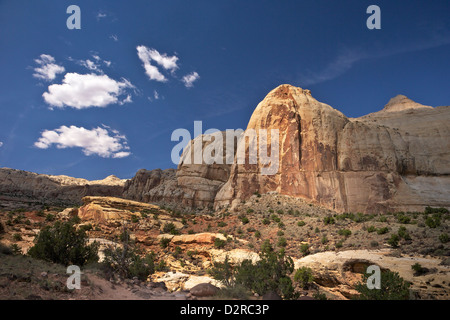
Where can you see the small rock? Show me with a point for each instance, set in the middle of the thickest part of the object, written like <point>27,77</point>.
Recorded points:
<point>271,295</point>
<point>44,274</point>
<point>204,290</point>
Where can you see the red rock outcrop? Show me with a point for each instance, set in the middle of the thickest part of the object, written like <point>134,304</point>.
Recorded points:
<point>395,159</point>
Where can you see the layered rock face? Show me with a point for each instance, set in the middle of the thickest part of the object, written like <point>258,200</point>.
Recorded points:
<point>28,186</point>
<point>194,184</point>
<point>395,159</point>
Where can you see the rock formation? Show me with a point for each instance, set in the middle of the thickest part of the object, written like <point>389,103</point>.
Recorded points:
<point>394,159</point>
<point>28,186</point>
<point>191,185</point>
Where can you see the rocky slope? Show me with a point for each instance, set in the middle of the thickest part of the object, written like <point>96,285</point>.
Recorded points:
<point>17,185</point>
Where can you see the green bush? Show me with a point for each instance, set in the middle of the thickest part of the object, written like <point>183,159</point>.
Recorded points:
<point>128,262</point>
<point>304,249</point>
<point>17,237</point>
<point>270,273</point>
<point>221,224</point>
<point>418,269</point>
<point>275,218</point>
<point>304,277</point>
<point>266,221</point>
<point>219,243</point>
<point>403,233</point>
<point>328,220</point>
<point>403,219</point>
<point>371,229</point>
<point>257,234</point>
<point>383,230</point>
<point>63,244</point>
<point>170,228</point>
<point>444,238</point>
<point>393,240</point>
<point>282,242</point>
<point>433,222</point>
<point>345,232</point>
<point>244,220</point>
<point>393,287</point>
<point>164,242</point>
<point>301,223</point>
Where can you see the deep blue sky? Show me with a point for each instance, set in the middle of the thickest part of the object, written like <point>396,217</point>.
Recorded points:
<point>240,50</point>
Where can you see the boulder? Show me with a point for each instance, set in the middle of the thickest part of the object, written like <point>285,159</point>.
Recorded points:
<point>204,290</point>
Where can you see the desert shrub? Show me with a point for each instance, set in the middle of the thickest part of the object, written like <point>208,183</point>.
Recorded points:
<point>219,243</point>
<point>320,296</point>
<point>170,228</point>
<point>257,234</point>
<point>275,218</point>
<point>16,250</point>
<point>280,233</point>
<point>403,219</point>
<point>50,217</point>
<point>393,287</point>
<point>374,244</point>
<point>345,232</point>
<point>339,244</point>
<point>324,239</point>
<point>164,242</point>
<point>444,238</point>
<point>127,262</point>
<point>17,237</point>
<point>280,211</point>
<point>317,230</point>
<point>433,221</point>
<point>86,227</point>
<point>221,224</point>
<point>383,230</point>
<point>63,244</point>
<point>301,223</point>
<point>328,220</point>
<point>282,242</point>
<point>266,221</point>
<point>383,219</point>
<point>244,220</point>
<point>304,249</point>
<point>371,229</point>
<point>393,240</point>
<point>304,277</point>
<point>403,233</point>
<point>281,225</point>
<point>270,273</point>
<point>134,218</point>
<point>418,269</point>
<point>430,210</point>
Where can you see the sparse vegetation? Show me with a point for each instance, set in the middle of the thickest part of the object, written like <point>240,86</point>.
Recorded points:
<point>393,287</point>
<point>304,277</point>
<point>63,244</point>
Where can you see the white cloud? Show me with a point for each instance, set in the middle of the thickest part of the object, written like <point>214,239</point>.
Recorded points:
<point>190,78</point>
<point>101,15</point>
<point>114,37</point>
<point>47,69</point>
<point>1,144</point>
<point>168,63</point>
<point>348,57</point>
<point>90,65</point>
<point>101,141</point>
<point>151,71</point>
<point>156,95</point>
<point>81,91</point>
